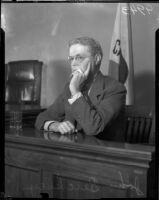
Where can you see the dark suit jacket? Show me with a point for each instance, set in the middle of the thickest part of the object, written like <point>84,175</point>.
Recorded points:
<point>100,113</point>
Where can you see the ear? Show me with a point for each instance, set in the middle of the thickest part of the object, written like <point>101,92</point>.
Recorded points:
<point>97,59</point>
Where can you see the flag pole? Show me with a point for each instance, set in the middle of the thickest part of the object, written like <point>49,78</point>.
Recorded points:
<point>130,81</point>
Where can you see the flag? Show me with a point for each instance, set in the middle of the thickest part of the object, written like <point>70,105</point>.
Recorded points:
<point>121,55</point>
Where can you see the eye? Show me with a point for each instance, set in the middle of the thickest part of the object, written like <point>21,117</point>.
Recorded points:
<point>79,58</point>
<point>70,58</point>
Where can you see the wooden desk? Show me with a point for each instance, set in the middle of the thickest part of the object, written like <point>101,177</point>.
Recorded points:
<point>75,166</point>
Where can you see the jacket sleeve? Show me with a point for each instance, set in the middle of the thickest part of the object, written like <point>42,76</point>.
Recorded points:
<point>94,119</point>
<point>54,112</point>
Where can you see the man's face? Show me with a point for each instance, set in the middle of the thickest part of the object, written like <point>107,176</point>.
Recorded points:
<point>80,56</point>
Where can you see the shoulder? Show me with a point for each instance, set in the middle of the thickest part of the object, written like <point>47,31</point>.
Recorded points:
<point>110,83</point>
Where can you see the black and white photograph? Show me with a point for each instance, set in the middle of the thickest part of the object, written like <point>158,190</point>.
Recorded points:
<point>79,98</point>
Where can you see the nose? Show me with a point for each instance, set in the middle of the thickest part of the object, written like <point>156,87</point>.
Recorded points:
<point>74,65</point>
<point>74,62</point>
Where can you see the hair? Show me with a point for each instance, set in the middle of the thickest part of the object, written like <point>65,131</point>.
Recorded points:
<point>94,46</point>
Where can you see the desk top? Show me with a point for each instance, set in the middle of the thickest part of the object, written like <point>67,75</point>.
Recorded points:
<point>77,143</point>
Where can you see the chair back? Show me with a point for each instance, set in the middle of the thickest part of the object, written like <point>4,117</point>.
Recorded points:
<point>23,82</point>
<point>139,122</point>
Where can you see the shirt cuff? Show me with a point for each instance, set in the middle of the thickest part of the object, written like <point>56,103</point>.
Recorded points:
<point>47,124</point>
<point>75,97</point>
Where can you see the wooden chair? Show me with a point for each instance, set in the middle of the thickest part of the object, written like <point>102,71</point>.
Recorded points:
<point>23,82</point>
<point>140,125</point>
<point>23,89</point>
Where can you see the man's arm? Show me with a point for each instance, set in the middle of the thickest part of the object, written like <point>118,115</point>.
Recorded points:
<point>55,112</point>
<point>54,118</point>
<point>93,120</point>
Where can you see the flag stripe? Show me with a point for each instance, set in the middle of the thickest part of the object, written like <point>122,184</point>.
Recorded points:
<point>121,54</point>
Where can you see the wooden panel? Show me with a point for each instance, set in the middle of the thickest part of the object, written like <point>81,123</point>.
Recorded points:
<point>87,178</point>
<point>22,182</point>
<point>88,169</point>
<point>73,186</point>
<point>75,178</point>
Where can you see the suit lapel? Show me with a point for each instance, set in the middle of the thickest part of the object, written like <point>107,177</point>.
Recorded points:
<point>97,88</point>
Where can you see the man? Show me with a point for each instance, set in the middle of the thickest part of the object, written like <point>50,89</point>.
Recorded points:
<point>90,102</point>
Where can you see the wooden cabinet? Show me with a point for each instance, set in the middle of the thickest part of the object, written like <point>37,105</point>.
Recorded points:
<point>84,168</point>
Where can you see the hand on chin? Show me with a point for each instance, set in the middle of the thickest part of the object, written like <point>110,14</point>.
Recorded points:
<point>76,82</point>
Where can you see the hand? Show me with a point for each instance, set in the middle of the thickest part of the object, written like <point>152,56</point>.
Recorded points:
<point>66,127</point>
<point>62,127</point>
<point>79,77</point>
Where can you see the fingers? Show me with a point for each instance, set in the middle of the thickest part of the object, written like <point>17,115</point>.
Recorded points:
<point>66,127</point>
<point>78,71</point>
<point>79,75</point>
<point>87,70</point>
<point>84,69</point>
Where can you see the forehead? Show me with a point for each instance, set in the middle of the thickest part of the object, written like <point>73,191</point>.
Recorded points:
<point>79,49</point>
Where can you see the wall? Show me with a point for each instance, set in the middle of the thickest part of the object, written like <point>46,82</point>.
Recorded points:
<point>42,30</point>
